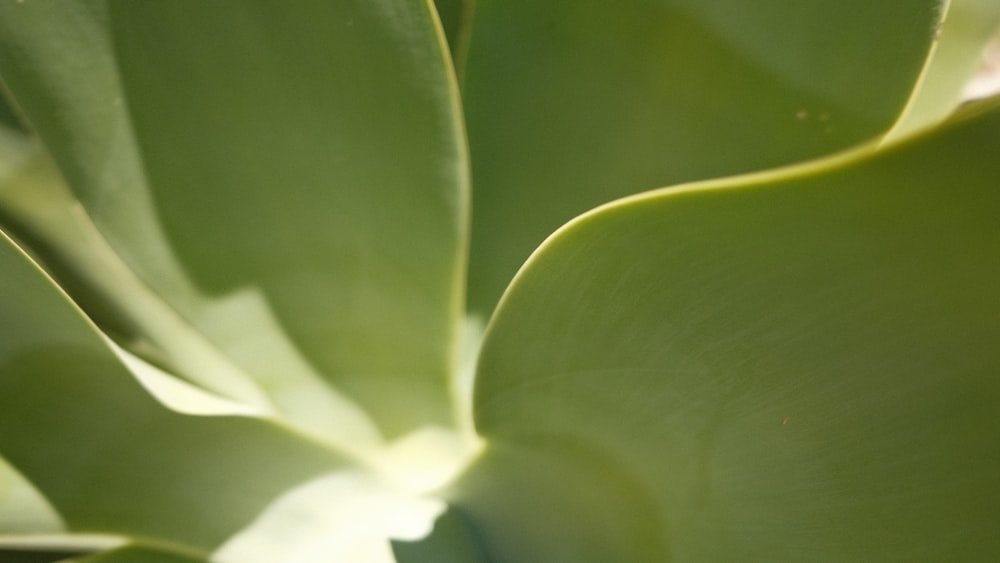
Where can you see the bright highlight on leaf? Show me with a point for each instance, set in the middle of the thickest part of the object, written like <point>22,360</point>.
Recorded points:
<point>729,270</point>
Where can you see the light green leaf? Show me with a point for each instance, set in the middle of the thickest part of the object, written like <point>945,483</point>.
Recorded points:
<point>572,105</point>
<point>61,66</point>
<point>322,160</point>
<point>966,29</point>
<point>106,455</point>
<point>788,366</point>
<point>22,508</point>
<point>360,262</point>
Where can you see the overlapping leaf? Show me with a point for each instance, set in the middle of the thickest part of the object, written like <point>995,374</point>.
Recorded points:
<point>797,365</point>
<point>323,171</point>
<point>570,106</point>
<point>109,457</point>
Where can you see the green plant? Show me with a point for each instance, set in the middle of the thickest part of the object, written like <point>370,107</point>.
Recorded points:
<point>233,285</point>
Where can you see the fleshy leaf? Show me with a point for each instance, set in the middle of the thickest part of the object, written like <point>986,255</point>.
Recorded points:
<point>572,105</point>
<point>794,365</point>
<point>59,63</point>
<point>359,262</point>
<point>966,29</point>
<point>322,160</point>
<point>105,454</point>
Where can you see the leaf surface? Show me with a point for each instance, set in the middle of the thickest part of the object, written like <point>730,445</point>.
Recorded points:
<point>106,455</point>
<point>295,169</point>
<point>787,366</point>
<point>571,106</point>
<point>967,28</point>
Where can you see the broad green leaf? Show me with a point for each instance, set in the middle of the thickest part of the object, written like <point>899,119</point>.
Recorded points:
<point>59,62</point>
<point>35,204</point>
<point>107,456</point>
<point>322,160</point>
<point>359,263</point>
<point>572,105</point>
<point>965,30</point>
<point>787,366</point>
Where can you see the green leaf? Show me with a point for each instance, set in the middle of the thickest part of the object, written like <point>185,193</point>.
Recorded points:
<point>966,29</point>
<point>456,20</point>
<point>142,554</point>
<point>22,508</point>
<point>570,106</point>
<point>793,365</point>
<point>361,258</point>
<point>59,63</point>
<point>359,262</point>
<point>9,556</point>
<point>451,541</point>
<point>107,456</point>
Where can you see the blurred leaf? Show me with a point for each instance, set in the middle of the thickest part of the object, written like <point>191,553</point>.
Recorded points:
<point>572,105</point>
<point>22,508</point>
<point>108,457</point>
<point>793,365</point>
<point>450,542</point>
<point>142,554</point>
<point>456,19</point>
<point>968,27</point>
<point>11,556</point>
<point>8,117</point>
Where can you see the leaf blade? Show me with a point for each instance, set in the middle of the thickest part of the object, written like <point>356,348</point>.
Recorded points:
<point>82,430</point>
<point>792,364</point>
<point>571,107</point>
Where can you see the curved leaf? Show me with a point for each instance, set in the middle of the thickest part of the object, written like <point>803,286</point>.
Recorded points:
<point>319,196</point>
<point>794,365</point>
<point>59,63</point>
<point>322,160</point>
<point>965,30</point>
<point>107,456</point>
<point>570,106</point>
<point>22,508</point>
<point>456,20</point>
